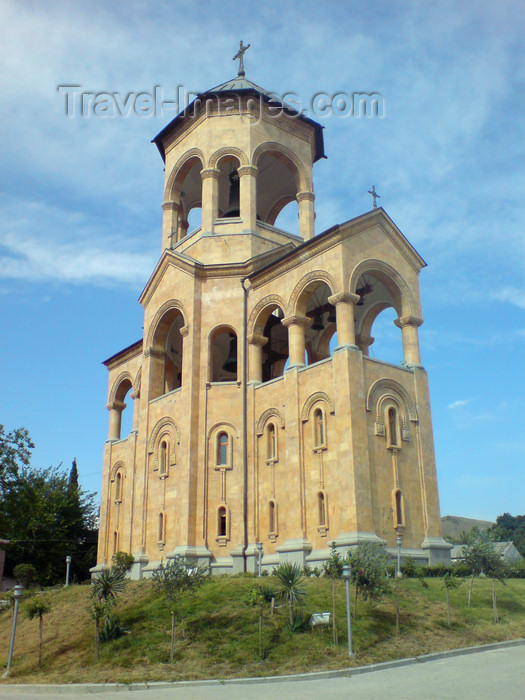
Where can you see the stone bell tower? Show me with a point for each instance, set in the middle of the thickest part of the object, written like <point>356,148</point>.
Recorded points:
<point>259,415</point>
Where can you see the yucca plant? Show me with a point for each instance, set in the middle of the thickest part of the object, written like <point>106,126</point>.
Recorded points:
<point>290,577</point>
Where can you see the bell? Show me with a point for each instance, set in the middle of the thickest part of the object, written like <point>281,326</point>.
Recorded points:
<point>318,324</point>
<point>234,201</point>
<point>230,364</point>
<point>331,315</point>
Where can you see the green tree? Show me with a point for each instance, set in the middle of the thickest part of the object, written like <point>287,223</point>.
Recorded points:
<point>290,577</point>
<point>38,607</point>
<point>123,561</point>
<point>73,474</point>
<point>451,582</point>
<point>256,599</point>
<point>369,562</point>
<point>173,581</point>
<point>480,556</point>
<point>45,519</point>
<point>25,574</point>
<point>15,454</point>
<point>334,568</point>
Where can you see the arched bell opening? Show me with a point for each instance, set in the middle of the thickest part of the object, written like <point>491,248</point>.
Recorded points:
<point>277,187</point>
<point>287,218</point>
<point>320,333</point>
<point>229,187</point>
<point>275,351</point>
<point>167,355</point>
<point>378,308</point>
<point>120,411</point>
<point>187,192</point>
<point>223,355</point>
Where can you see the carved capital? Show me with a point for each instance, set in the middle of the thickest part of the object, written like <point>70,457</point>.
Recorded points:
<point>247,170</point>
<point>408,321</point>
<point>152,351</point>
<point>210,172</point>
<point>184,331</point>
<point>344,298</point>
<point>170,206</point>
<point>302,196</point>
<point>116,406</point>
<point>257,339</point>
<point>364,341</point>
<point>296,320</point>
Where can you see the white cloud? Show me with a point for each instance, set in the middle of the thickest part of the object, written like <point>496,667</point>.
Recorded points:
<point>459,403</point>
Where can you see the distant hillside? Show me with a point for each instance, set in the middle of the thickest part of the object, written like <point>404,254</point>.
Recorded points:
<point>453,525</point>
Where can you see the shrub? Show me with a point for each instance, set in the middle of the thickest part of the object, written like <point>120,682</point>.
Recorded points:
<point>123,561</point>
<point>25,574</point>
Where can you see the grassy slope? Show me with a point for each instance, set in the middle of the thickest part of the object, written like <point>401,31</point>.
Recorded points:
<point>222,639</point>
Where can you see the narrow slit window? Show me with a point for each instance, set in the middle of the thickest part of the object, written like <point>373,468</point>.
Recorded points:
<point>272,451</point>
<point>222,449</point>
<point>118,487</point>
<point>161,527</point>
<point>319,428</point>
<point>392,427</point>
<point>322,508</point>
<point>163,458</point>
<point>222,522</point>
<point>399,508</point>
<point>271,516</point>
<point>115,542</point>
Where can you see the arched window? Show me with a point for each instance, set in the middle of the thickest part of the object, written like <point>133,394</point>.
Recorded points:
<point>392,427</point>
<point>118,487</point>
<point>319,429</point>
<point>223,355</point>
<point>222,522</point>
<point>321,506</point>
<point>271,443</point>
<point>163,458</point>
<point>272,518</point>
<point>222,449</point>
<point>161,528</point>
<point>398,508</point>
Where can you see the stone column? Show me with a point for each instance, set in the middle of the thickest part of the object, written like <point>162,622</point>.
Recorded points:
<point>170,224</point>
<point>409,325</point>
<point>135,395</point>
<point>344,308</point>
<point>248,195</point>
<point>296,342</point>
<point>115,409</point>
<point>183,228</point>
<point>305,201</point>
<point>210,198</point>
<point>255,346</point>
<point>364,342</point>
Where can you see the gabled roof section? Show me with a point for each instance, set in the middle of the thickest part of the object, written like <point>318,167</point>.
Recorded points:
<point>240,85</point>
<point>130,351</point>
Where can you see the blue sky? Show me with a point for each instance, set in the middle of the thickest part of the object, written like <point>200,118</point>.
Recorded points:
<point>80,200</point>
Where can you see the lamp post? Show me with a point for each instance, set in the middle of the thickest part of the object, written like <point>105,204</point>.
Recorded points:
<point>346,575</point>
<point>17,594</point>
<point>68,564</point>
<point>399,539</point>
<point>260,551</point>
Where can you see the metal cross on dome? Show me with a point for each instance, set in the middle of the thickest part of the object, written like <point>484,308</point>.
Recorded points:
<point>374,195</point>
<point>240,55</point>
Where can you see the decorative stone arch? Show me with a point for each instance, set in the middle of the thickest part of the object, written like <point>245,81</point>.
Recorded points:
<point>137,383</point>
<point>265,417</point>
<point>314,276</point>
<point>388,391</point>
<point>312,400</point>
<point>189,155</point>
<point>303,179</point>
<point>227,151</point>
<point>270,300</point>
<point>406,304</point>
<point>224,425</point>
<point>164,425</point>
<point>118,466</point>
<point>172,304</point>
<point>115,394</point>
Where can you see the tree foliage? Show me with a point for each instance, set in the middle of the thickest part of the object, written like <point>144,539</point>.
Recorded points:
<point>369,562</point>
<point>173,581</point>
<point>510,528</point>
<point>38,607</point>
<point>43,514</point>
